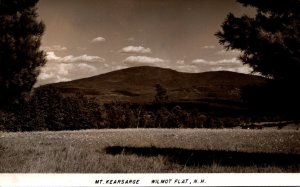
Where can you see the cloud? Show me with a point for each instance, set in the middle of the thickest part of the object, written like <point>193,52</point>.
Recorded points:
<point>232,60</point>
<point>86,67</point>
<point>68,68</point>
<point>81,48</point>
<point>46,78</point>
<point>209,47</point>
<point>240,69</point>
<point>198,61</point>
<point>58,72</point>
<point>136,49</point>
<point>229,53</point>
<point>131,39</point>
<point>143,60</point>
<point>232,64</point>
<point>217,62</point>
<point>119,67</point>
<point>187,68</point>
<point>52,57</point>
<point>98,40</point>
<point>72,59</point>
<point>54,48</point>
<point>180,62</point>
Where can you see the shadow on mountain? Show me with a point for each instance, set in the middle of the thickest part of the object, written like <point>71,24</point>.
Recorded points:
<point>208,157</point>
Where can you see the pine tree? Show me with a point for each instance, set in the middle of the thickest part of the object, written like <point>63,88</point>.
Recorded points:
<point>20,56</point>
<point>269,41</point>
<point>270,44</point>
<point>161,96</point>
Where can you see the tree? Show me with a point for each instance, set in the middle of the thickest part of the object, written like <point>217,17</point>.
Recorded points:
<point>269,41</point>
<point>20,56</point>
<point>48,101</point>
<point>161,96</point>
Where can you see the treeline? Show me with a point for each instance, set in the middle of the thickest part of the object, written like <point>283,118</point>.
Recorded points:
<point>48,109</point>
<point>126,115</point>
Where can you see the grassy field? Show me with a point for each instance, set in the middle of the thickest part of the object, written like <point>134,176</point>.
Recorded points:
<point>150,150</point>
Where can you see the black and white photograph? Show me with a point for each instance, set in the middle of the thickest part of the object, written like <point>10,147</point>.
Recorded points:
<point>149,86</point>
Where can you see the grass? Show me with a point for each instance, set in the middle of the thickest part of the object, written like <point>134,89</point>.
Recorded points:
<point>84,151</point>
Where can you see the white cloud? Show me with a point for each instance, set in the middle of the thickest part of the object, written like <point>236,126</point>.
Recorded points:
<point>131,39</point>
<point>217,62</point>
<point>187,68</point>
<point>98,40</point>
<point>52,57</point>
<point>209,47</point>
<point>63,69</point>
<point>231,64</point>
<point>119,67</point>
<point>58,72</point>
<point>45,78</point>
<point>72,59</point>
<point>45,75</point>
<point>229,53</point>
<point>240,69</point>
<point>68,68</point>
<point>180,62</point>
<point>55,48</point>
<point>143,60</point>
<point>232,60</point>
<point>198,61</point>
<point>86,67</point>
<point>136,49</point>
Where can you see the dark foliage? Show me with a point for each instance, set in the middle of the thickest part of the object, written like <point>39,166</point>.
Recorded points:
<point>274,98</point>
<point>9,7</point>
<point>20,57</point>
<point>49,110</point>
<point>270,41</point>
<point>270,44</point>
<point>161,96</point>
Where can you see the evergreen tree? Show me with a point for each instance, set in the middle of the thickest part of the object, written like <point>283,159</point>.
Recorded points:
<point>269,41</point>
<point>161,96</point>
<point>20,56</point>
<point>270,44</point>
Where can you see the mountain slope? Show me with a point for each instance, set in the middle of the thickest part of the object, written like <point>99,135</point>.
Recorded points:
<point>136,84</point>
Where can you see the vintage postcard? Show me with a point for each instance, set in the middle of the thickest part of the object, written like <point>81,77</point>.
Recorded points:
<point>149,92</point>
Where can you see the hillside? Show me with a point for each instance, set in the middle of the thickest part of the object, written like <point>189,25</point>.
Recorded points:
<point>136,84</point>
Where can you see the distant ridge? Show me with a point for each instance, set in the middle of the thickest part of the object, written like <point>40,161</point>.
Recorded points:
<point>136,84</point>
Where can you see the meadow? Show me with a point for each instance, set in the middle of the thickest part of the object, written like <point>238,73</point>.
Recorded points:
<point>150,151</point>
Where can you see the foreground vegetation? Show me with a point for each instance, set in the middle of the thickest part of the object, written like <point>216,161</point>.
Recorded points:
<point>86,150</point>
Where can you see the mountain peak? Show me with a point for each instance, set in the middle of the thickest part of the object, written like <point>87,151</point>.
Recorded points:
<point>137,84</point>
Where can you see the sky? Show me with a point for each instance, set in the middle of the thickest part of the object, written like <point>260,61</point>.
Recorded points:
<point>84,38</point>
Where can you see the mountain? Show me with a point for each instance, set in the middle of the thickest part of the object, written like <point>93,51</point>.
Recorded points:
<point>136,84</point>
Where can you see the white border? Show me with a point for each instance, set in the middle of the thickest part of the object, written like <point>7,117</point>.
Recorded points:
<point>181,179</point>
